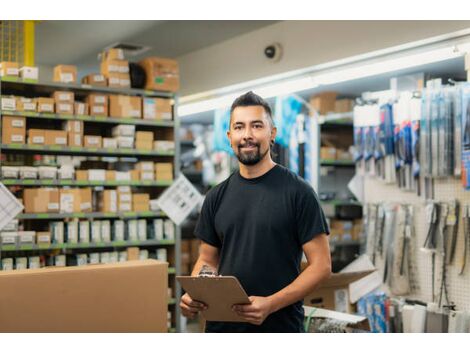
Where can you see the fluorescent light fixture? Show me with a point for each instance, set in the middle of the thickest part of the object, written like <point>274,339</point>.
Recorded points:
<point>332,76</point>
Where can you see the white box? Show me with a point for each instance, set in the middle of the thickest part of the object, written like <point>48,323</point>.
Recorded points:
<point>113,257</point>
<point>82,259</point>
<point>46,239</point>
<point>110,143</point>
<point>10,171</point>
<point>8,103</point>
<point>7,263</point>
<point>122,256</point>
<point>118,230</point>
<point>96,175</point>
<point>9,237</point>
<point>154,205</point>
<point>132,230</point>
<point>143,254</point>
<point>125,207</point>
<point>146,166</point>
<point>147,176</point>
<point>158,229</point>
<point>142,229</point>
<point>162,254</point>
<point>72,232</point>
<point>84,233</point>
<point>60,260</point>
<point>94,258</point>
<point>124,131</point>
<point>21,263</point>
<point>34,262</point>
<point>11,226</point>
<point>104,257</point>
<point>29,72</point>
<point>106,231</point>
<point>169,230</point>
<point>96,231</point>
<point>57,232</point>
<point>26,237</point>
<point>123,176</point>
<point>66,172</point>
<point>47,172</point>
<point>28,172</point>
<point>125,142</point>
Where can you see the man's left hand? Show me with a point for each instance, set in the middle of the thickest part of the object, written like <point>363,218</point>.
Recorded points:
<point>255,312</point>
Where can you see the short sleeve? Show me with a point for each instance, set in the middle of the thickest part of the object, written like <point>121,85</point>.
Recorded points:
<point>310,218</point>
<point>205,227</point>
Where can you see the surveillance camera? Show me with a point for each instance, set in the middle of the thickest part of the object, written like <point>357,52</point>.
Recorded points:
<point>273,52</point>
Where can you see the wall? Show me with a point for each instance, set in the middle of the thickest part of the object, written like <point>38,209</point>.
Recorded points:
<point>305,43</point>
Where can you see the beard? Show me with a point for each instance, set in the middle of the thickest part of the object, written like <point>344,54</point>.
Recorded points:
<point>250,157</point>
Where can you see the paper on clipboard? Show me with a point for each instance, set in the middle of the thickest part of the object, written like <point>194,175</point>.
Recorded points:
<point>220,293</point>
<point>10,207</point>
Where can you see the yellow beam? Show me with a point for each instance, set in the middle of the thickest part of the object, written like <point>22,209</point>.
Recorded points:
<point>28,40</point>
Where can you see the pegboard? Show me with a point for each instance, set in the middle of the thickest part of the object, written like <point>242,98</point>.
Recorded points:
<point>458,286</point>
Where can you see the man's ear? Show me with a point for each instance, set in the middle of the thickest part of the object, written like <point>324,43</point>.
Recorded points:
<point>273,134</point>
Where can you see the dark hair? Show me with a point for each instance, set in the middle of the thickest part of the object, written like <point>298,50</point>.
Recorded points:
<point>251,99</point>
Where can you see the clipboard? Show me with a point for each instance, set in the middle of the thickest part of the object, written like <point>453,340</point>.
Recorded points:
<point>220,293</point>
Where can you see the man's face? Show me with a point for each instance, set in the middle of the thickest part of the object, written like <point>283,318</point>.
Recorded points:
<point>250,134</point>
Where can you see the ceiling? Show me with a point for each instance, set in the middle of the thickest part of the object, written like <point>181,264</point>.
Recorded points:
<point>79,42</point>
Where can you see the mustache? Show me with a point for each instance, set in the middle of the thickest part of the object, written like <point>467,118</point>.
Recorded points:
<point>248,144</point>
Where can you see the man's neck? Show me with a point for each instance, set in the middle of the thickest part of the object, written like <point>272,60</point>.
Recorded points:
<point>257,170</point>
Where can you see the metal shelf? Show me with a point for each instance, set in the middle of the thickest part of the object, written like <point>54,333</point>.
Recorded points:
<point>341,202</point>
<point>56,149</point>
<point>171,271</point>
<point>47,87</point>
<point>345,118</point>
<point>340,163</point>
<point>172,301</point>
<point>89,118</point>
<point>15,182</point>
<point>91,245</point>
<point>93,215</point>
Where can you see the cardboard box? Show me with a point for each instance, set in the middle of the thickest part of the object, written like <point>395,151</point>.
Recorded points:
<point>84,232</point>
<point>110,143</point>
<point>98,110</point>
<point>53,137</point>
<point>92,141</point>
<point>110,175</point>
<point>328,153</point>
<point>43,237</point>
<point>74,126</point>
<point>114,80</point>
<point>132,253</point>
<point>13,129</point>
<point>112,54</point>
<point>161,73</point>
<point>144,145</point>
<point>109,201</point>
<point>125,142</point>
<point>63,97</point>
<point>26,104</point>
<point>140,198</point>
<point>324,102</point>
<point>164,146</point>
<point>122,175</point>
<point>9,69</point>
<point>125,106</point>
<point>36,136</point>
<point>144,136</point>
<point>65,74</point>
<point>114,66</point>
<point>135,175</point>
<point>76,307</point>
<point>75,139</point>
<point>81,175</point>
<point>344,105</point>
<point>8,103</point>
<point>124,80</point>
<point>145,166</point>
<point>163,171</point>
<point>41,200</point>
<point>333,293</point>
<point>75,200</point>
<point>29,73</point>
<point>80,108</point>
<point>95,79</point>
<point>96,175</point>
<point>156,109</point>
<point>45,105</point>
<point>97,99</point>
<point>147,175</point>
<point>124,130</point>
<point>64,108</point>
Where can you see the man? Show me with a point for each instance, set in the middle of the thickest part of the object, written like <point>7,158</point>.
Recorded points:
<point>256,224</point>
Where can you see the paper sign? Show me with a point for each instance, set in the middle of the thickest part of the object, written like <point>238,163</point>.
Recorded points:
<point>10,207</point>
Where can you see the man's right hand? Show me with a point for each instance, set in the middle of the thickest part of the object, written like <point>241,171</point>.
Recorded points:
<point>189,307</point>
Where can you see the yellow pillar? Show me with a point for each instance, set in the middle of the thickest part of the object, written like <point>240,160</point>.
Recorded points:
<point>28,40</point>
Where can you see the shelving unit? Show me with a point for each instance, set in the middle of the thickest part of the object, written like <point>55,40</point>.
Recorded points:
<point>31,89</point>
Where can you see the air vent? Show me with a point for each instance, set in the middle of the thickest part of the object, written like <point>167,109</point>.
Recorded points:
<point>129,49</point>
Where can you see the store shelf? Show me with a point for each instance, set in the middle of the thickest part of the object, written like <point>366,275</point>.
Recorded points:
<point>171,270</point>
<point>172,301</point>
<point>345,118</point>
<point>43,87</point>
<point>87,118</point>
<point>56,149</point>
<point>340,202</point>
<point>340,163</point>
<point>15,182</point>
<point>91,245</point>
<point>93,215</point>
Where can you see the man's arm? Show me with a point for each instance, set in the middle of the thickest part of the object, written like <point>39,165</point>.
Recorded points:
<point>208,255</point>
<point>318,256</point>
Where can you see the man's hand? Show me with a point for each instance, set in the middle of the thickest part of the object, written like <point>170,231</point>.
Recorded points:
<point>255,312</point>
<point>190,307</point>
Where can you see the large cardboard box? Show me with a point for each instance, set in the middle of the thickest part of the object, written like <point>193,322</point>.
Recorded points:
<point>333,293</point>
<point>125,106</point>
<point>114,80</point>
<point>163,171</point>
<point>144,140</point>
<point>64,108</point>
<point>121,297</point>
<point>65,73</point>
<point>36,136</point>
<point>63,97</point>
<point>95,79</point>
<point>156,108</point>
<point>114,66</point>
<point>80,108</point>
<point>53,137</point>
<point>41,200</point>
<point>75,139</point>
<point>75,200</point>
<point>92,141</point>
<point>26,104</point>
<point>13,129</point>
<point>45,105</point>
<point>324,102</point>
<point>109,201</point>
<point>161,73</point>
<point>141,202</point>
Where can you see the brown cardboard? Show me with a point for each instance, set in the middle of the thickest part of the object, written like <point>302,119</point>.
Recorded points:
<point>114,80</point>
<point>324,296</point>
<point>324,102</point>
<point>26,104</point>
<point>98,110</point>
<point>109,201</point>
<point>124,80</point>
<point>125,106</point>
<point>81,175</point>
<point>144,136</point>
<point>86,200</point>
<point>163,171</point>
<point>220,293</point>
<point>328,153</point>
<point>344,105</point>
<point>95,79</point>
<point>140,198</point>
<point>114,66</point>
<point>36,136</point>
<point>13,129</point>
<point>110,175</point>
<point>75,139</point>
<point>43,237</point>
<point>52,137</point>
<point>65,74</point>
<point>132,253</point>
<point>135,175</point>
<point>64,108</point>
<point>145,166</point>
<point>63,97</point>
<point>92,141</point>
<point>112,54</point>
<point>74,126</point>
<point>80,108</point>
<point>161,73</point>
<point>9,69</point>
<point>144,145</point>
<point>97,99</point>
<point>84,299</point>
<point>75,200</point>
<point>45,105</point>
<point>41,200</point>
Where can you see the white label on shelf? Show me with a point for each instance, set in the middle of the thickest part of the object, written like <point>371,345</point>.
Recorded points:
<point>66,203</point>
<point>64,97</point>
<point>8,239</point>
<point>38,139</point>
<point>66,77</point>
<point>53,206</point>
<point>46,107</point>
<point>97,110</point>
<point>61,140</point>
<point>17,123</point>
<point>147,176</point>
<point>17,138</point>
<point>44,239</point>
<point>92,140</point>
<point>123,176</point>
<point>84,206</point>
<point>113,80</point>
<point>8,104</point>
<point>98,78</point>
<point>12,71</point>
<point>65,108</point>
<point>100,99</point>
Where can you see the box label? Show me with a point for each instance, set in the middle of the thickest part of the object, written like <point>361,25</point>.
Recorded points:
<point>8,104</point>
<point>38,139</point>
<point>66,77</point>
<point>100,99</point>
<point>98,109</point>
<point>61,140</point>
<point>46,107</point>
<point>17,138</point>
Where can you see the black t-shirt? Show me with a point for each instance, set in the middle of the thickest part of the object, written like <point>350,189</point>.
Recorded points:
<point>259,226</point>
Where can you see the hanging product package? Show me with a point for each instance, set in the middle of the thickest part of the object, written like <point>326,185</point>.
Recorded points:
<point>221,126</point>
<point>457,113</point>
<point>466,135</point>
<point>285,116</point>
<point>387,132</point>
<point>415,116</point>
<point>358,118</point>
